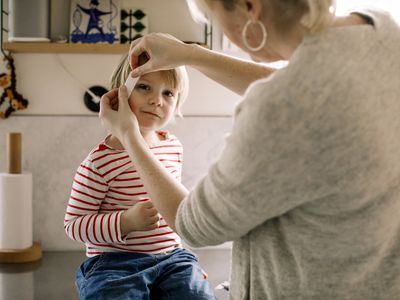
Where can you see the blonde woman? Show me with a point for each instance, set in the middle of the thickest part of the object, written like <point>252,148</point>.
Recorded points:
<point>307,187</point>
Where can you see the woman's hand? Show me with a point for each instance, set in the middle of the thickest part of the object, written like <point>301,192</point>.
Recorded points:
<point>163,51</point>
<point>142,216</point>
<point>116,114</point>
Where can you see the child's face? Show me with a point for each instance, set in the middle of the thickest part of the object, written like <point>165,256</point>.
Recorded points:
<point>153,100</point>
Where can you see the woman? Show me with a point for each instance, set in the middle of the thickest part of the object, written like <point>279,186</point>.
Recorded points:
<point>307,186</point>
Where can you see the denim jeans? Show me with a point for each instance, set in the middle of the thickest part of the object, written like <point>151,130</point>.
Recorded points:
<point>124,275</point>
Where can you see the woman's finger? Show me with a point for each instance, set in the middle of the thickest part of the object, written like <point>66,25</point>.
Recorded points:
<point>137,47</point>
<point>134,44</point>
<point>143,64</point>
<point>139,71</point>
<point>135,51</point>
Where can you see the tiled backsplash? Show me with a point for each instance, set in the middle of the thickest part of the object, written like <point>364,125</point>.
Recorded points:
<point>53,147</point>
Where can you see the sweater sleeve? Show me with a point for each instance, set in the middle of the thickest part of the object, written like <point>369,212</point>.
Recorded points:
<point>270,165</point>
<point>83,222</point>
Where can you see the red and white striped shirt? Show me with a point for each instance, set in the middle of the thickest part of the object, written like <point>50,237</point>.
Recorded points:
<point>106,184</point>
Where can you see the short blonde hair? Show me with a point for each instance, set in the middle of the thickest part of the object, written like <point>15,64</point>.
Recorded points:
<point>315,15</point>
<point>178,77</point>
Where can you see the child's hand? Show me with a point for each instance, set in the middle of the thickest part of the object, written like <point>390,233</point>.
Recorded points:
<point>141,217</point>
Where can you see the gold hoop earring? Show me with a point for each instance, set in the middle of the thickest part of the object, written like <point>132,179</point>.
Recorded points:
<point>264,37</point>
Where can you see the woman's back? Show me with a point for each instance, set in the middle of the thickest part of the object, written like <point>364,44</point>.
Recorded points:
<point>339,235</point>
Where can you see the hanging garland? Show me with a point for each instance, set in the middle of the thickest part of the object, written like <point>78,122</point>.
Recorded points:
<point>13,100</point>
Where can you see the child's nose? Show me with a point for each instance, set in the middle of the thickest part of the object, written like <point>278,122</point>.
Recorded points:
<point>156,100</point>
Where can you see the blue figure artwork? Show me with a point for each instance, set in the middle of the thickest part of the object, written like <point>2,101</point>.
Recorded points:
<point>95,31</point>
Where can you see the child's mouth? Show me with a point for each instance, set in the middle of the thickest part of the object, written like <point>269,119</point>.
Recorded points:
<point>152,114</point>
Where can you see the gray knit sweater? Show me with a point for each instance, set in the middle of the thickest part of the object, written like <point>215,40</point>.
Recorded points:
<point>308,185</point>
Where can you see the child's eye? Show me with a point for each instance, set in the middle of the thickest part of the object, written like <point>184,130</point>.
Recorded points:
<point>142,86</point>
<point>169,94</point>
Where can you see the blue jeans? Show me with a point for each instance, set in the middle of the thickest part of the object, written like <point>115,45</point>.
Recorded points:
<point>134,276</point>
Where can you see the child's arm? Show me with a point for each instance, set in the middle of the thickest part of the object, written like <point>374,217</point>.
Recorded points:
<point>83,222</point>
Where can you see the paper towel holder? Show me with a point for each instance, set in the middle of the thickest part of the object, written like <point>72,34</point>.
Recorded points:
<point>30,254</point>
<point>34,252</point>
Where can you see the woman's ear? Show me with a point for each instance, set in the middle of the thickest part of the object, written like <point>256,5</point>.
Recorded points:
<point>254,9</point>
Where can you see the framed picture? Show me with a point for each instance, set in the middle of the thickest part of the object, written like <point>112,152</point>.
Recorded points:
<point>134,24</point>
<point>95,21</point>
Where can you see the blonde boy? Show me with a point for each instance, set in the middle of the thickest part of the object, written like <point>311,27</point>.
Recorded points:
<point>132,252</point>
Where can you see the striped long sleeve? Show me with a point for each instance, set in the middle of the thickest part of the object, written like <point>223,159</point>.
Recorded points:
<point>105,185</point>
<point>83,220</point>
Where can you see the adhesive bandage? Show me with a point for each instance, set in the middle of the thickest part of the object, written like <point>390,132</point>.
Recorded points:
<point>130,81</point>
<point>130,84</point>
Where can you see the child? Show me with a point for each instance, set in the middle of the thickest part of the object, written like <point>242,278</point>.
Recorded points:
<point>133,254</point>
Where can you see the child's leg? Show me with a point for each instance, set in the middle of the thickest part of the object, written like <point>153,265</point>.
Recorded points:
<point>116,276</point>
<point>181,277</point>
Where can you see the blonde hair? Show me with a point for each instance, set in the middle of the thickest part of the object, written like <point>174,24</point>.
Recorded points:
<point>319,15</point>
<point>315,15</point>
<point>178,77</point>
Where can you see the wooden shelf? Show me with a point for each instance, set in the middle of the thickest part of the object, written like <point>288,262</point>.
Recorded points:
<point>44,47</point>
<point>19,47</point>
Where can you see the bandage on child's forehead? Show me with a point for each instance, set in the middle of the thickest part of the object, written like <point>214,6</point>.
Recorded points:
<point>130,81</point>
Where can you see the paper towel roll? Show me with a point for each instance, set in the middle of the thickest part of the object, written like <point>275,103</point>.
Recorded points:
<point>15,211</point>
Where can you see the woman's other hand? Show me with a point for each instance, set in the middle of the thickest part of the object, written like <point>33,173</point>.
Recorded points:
<point>116,114</point>
<point>163,51</point>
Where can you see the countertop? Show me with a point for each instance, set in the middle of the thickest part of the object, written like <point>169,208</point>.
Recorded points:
<point>53,277</point>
